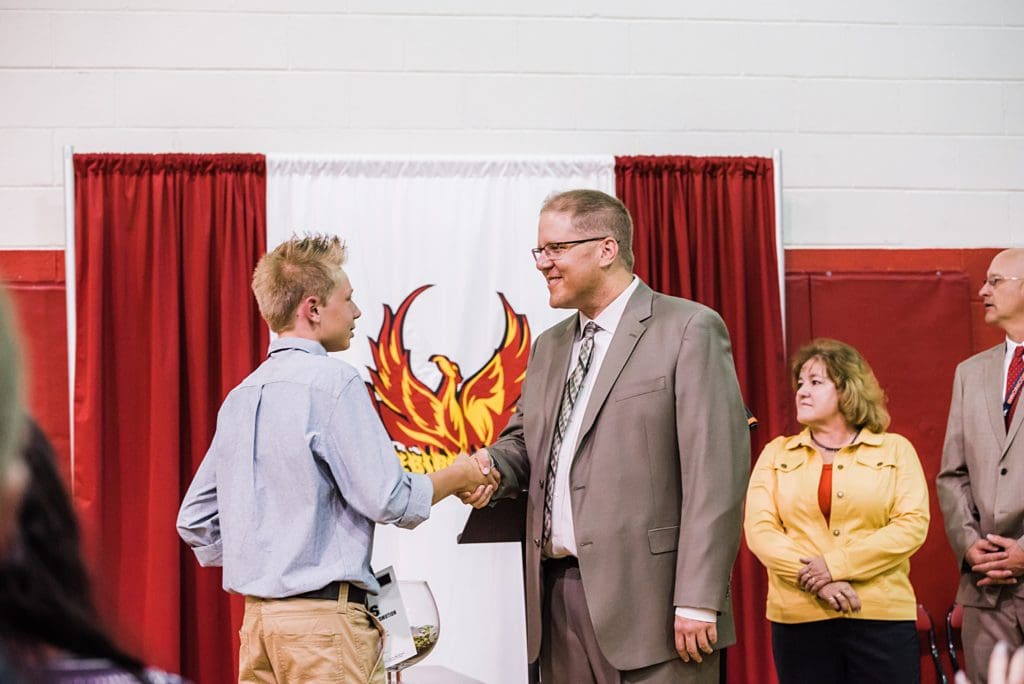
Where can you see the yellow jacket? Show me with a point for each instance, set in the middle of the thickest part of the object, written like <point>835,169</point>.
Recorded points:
<point>879,519</point>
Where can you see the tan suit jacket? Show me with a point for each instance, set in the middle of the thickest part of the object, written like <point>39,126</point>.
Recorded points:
<point>658,478</point>
<point>982,473</point>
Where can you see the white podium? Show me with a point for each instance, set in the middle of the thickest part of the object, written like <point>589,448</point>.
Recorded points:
<point>435,674</point>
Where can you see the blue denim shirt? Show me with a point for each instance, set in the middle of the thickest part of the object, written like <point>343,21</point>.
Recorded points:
<point>299,470</point>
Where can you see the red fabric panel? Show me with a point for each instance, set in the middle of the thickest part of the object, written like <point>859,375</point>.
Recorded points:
<point>973,262</point>
<point>35,282</point>
<point>913,329</point>
<point>166,326</point>
<point>31,266</point>
<point>705,230</point>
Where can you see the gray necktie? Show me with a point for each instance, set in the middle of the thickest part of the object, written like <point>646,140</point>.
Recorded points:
<point>569,394</point>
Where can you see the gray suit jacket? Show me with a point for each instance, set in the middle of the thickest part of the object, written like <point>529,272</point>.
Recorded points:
<point>658,478</point>
<point>982,473</point>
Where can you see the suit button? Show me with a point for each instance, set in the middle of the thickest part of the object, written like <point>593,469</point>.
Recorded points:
<point>840,466</point>
<point>536,542</point>
<point>835,533</point>
<point>1003,471</point>
<point>540,483</point>
<point>840,495</point>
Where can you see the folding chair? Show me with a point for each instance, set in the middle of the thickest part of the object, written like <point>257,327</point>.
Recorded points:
<point>954,623</point>
<point>925,628</point>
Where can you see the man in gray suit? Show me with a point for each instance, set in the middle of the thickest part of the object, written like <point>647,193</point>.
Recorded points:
<point>631,440</point>
<point>982,473</point>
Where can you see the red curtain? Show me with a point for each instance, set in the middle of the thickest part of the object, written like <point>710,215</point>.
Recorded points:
<point>166,326</point>
<point>705,230</point>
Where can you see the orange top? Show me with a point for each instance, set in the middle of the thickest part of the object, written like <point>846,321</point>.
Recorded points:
<point>825,492</point>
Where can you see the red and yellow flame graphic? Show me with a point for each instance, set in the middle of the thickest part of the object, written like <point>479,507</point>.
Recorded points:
<point>431,426</point>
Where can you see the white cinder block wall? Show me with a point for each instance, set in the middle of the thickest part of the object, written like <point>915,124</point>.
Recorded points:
<point>900,123</point>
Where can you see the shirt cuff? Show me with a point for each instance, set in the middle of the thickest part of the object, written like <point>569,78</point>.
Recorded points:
<point>702,614</point>
<point>209,556</point>
<point>421,492</point>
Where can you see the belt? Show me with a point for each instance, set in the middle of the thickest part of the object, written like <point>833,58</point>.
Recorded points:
<point>333,590</point>
<point>561,564</point>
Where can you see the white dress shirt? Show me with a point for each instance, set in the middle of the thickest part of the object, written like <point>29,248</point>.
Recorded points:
<point>563,534</point>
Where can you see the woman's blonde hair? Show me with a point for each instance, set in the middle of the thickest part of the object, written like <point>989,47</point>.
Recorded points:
<point>861,399</point>
<point>303,266</point>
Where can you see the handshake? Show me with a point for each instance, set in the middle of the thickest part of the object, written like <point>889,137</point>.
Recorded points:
<point>473,479</point>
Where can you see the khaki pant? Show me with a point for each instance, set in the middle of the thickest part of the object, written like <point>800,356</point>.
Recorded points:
<point>310,640</point>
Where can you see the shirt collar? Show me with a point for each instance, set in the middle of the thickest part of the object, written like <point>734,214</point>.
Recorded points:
<point>609,319</point>
<point>300,343</point>
<point>1011,347</point>
<point>804,439</point>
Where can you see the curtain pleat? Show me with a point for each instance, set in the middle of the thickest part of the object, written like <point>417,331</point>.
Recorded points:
<point>705,230</point>
<point>166,326</point>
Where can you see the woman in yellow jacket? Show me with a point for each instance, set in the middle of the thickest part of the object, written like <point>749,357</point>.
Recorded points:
<point>834,513</point>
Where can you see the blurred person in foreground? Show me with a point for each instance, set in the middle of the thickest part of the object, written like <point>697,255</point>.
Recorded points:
<point>49,626</point>
<point>1002,669</point>
<point>299,472</point>
<point>834,513</point>
<point>13,474</point>
<point>982,474</point>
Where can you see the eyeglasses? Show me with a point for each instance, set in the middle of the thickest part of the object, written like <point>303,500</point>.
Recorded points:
<point>993,281</point>
<point>553,251</point>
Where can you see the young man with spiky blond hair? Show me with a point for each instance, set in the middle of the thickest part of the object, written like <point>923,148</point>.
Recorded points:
<point>299,471</point>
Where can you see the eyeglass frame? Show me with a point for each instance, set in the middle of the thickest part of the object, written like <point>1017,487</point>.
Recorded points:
<point>565,245</point>
<point>993,281</point>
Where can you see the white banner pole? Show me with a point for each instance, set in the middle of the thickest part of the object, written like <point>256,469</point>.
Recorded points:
<point>69,289</point>
<point>780,247</point>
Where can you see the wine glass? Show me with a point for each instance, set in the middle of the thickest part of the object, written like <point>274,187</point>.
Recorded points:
<point>424,623</point>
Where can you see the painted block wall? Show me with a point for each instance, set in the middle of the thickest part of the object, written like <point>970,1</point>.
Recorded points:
<point>901,124</point>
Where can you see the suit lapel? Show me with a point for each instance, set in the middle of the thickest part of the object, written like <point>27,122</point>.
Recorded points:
<point>554,380</point>
<point>994,393</point>
<point>627,334</point>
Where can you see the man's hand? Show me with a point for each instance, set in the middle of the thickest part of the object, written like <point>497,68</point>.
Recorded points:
<point>481,495</point>
<point>840,596</point>
<point>1000,559</point>
<point>463,474</point>
<point>694,637</point>
<point>983,551</point>
<point>814,575</point>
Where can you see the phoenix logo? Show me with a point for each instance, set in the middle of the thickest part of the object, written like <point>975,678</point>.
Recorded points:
<point>433,425</point>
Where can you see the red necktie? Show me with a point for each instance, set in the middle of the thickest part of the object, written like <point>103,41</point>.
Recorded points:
<point>1014,380</point>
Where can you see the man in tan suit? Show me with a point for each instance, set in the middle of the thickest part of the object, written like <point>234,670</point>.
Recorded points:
<point>982,473</point>
<point>631,440</point>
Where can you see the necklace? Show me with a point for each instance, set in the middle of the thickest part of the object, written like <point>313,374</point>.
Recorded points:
<point>832,450</point>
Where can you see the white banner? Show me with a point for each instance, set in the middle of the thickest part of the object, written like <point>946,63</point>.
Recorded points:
<point>449,237</point>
